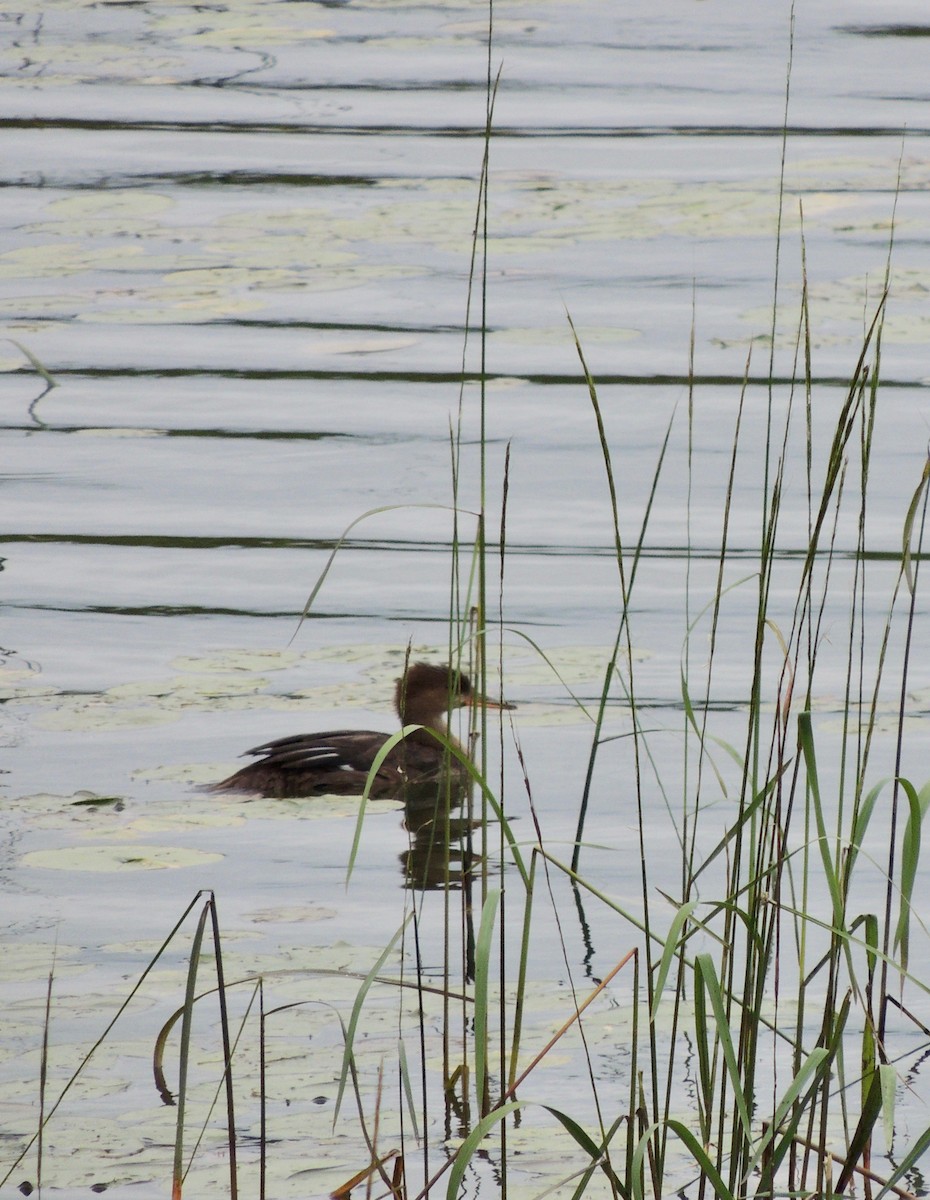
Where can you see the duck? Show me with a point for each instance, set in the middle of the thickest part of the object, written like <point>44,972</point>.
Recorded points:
<point>339,761</point>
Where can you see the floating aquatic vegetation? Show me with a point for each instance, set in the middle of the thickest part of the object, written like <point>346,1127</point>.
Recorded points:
<point>131,856</point>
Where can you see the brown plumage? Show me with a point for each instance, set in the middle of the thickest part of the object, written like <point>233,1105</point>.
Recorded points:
<point>338,761</point>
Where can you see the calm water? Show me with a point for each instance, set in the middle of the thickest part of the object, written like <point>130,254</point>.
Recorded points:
<point>238,237</point>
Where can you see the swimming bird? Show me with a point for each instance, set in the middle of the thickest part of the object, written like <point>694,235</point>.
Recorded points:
<point>338,761</point>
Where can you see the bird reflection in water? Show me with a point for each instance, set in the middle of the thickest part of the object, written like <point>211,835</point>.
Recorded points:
<point>440,854</point>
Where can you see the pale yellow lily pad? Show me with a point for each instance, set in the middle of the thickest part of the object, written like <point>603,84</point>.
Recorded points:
<point>189,774</point>
<point>189,687</point>
<point>307,808</point>
<point>97,714</point>
<point>26,690</point>
<point>175,821</point>
<point>293,914</point>
<point>79,804</point>
<point>118,858</point>
<point>236,660</point>
<point>119,432</point>
<point>553,335</point>
<point>35,960</point>
<point>130,203</point>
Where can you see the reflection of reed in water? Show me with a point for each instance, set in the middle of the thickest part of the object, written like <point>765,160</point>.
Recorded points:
<point>440,853</point>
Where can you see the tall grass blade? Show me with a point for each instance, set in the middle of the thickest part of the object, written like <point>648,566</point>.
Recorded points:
<point>407,1085</point>
<point>809,1077</point>
<point>227,1052</point>
<point>43,1079</point>
<point>626,585</point>
<point>184,1051</point>
<point>860,827</point>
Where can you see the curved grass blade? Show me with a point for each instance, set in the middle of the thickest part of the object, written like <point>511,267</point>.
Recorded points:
<point>912,511</point>
<point>464,1154</point>
<point>862,1136</point>
<point>35,363</point>
<point>372,512</point>
<point>407,1085</point>
<point>621,1189</point>
<point>671,947</point>
<point>910,857</point>
<point>357,1011</point>
<point>454,751</point>
<point>861,825</point>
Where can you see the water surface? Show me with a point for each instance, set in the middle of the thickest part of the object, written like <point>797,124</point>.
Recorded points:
<point>239,239</point>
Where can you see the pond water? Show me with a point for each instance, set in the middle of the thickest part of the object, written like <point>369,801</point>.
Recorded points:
<point>238,238</point>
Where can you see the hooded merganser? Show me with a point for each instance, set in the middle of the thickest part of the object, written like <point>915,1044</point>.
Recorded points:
<point>338,761</point>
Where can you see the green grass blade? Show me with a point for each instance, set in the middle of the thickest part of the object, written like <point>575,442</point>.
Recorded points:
<point>463,1157</point>
<point>369,979</point>
<point>861,825</point>
<point>698,732</point>
<point>672,942</point>
<point>483,946</point>
<point>910,858</point>
<point>746,815</point>
<point>701,1037</point>
<point>888,1082</point>
<point>811,1072</point>
<point>702,1159</point>
<point>911,1159</point>
<point>407,1084</point>
<point>601,1151</point>
<point>34,362</point>
<point>806,739</point>
<point>704,965</point>
<point>910,518</point>
<point>862,1135</point>
<point>321,579</point>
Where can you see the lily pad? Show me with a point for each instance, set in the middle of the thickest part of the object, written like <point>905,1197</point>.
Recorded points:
<point>95,713</point>
<point>118,858</point>
<point>237,660</point>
